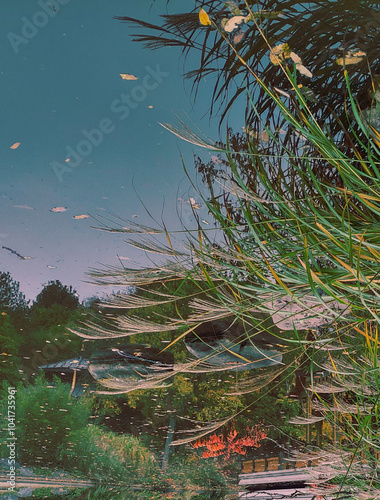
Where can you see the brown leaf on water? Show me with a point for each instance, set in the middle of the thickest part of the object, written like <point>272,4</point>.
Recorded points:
<point>125,76</point>
<point>15,145</point>
<point>239,37</point>
<point>264,136</point>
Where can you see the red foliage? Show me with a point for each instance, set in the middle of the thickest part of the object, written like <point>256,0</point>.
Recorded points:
<point>219,445</point>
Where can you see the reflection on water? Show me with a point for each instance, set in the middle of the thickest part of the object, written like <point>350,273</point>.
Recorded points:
<point>289,240</point>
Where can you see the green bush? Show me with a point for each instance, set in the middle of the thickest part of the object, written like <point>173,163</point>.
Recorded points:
<point>46,415</point>
<point>196,474</point>
<point>107,456</point>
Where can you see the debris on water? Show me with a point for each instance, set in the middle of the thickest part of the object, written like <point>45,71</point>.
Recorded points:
<point>21,257</point>
<point>82,216</point>
<point>58,209</point>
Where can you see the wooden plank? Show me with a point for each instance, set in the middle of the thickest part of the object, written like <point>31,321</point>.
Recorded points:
<point>247,467</point>
<point>301,464</point>
<point>274,477</point>
<point>273,463</point>
<point>260,465</point>
<point>276,473</point>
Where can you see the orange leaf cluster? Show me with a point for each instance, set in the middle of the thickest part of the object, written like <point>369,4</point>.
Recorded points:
<point>217,445</point>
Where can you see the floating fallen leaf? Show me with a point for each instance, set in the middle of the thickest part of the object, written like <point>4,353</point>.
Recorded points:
<point>203,18</point>
<point>303,70</point>
<point>238,38</point>
<point>299,66</point>
<point>58,209</point>
<point>51,267</point>
<point>67,159</point>
<point>150,107</point>
<point>279,53</point>
<point>125,76</point>
<point>194,204</point>
<point>352,57</point>
<point>282,92</point>
<point>27,207</point>
<point>295,58</point>
<point>264,136</point>
<point>82,216</point>
<point>15,145</point>
<point>234,22</point>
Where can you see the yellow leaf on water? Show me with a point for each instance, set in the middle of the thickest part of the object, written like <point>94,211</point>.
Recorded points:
<point>82,216</point>
<point>194,204</point>
<point>352,57</point>
<point>279,53</point>
<point>203,17</point>
<point>15,145</point>
<point>348,60</point>
<point>125,76</point>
